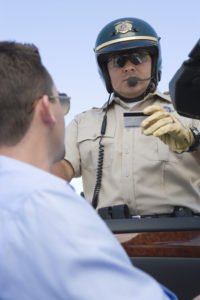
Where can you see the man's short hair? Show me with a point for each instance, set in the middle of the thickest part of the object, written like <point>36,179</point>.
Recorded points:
<point>23,79</point>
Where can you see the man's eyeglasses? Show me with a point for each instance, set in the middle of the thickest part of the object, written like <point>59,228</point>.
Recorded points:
<point>62,97</point>
<point>64,101</point>
<point>136,58</point>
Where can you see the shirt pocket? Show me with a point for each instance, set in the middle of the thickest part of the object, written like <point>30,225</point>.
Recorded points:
<point>153,149</point>
<point>88,143</point>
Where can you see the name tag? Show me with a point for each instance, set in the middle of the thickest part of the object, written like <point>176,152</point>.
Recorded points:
<point>133,119</point>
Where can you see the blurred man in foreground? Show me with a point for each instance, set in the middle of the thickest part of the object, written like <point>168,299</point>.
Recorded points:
<point>52,243</point>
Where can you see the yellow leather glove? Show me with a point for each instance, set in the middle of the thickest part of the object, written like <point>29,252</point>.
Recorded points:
<point>165,125</point>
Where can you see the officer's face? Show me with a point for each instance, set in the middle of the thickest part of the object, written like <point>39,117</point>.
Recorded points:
<point>120,68</point>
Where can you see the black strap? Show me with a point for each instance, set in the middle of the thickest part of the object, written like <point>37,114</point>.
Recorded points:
<point>114,212</point>
<point>122,212</point>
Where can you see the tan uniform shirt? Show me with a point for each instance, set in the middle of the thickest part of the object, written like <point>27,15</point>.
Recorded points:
<point>138,170</point>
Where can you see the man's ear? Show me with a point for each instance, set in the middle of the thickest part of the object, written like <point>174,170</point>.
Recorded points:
<point>46,111</point>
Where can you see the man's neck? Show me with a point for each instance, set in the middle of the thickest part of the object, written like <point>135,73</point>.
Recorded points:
<point>26,155</point>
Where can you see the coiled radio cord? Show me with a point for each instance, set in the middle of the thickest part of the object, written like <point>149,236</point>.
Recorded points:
<point>95,198</point>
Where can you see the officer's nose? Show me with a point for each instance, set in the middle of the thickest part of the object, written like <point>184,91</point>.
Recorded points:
<point>129,66</point>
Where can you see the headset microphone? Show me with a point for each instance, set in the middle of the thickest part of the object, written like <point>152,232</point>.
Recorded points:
<point>132,81</point>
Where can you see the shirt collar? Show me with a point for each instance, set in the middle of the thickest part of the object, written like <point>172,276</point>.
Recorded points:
<point>163,97</point>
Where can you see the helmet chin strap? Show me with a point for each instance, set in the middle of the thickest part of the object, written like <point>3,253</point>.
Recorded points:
<point>136,99</point>
<point>150,89</point>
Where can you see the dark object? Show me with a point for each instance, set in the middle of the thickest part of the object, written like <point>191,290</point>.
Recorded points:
<point>184,87</point>
<point>135,114</point>
<point>122,212</point>
<point>99,173</point>
<point>132,81</point>
<point>196,135</point>
<point>180,211</point>
<point>114,212</point>
<point>166,248</point>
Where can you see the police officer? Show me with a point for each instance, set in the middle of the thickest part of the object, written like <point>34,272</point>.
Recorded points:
<point>149,164</point>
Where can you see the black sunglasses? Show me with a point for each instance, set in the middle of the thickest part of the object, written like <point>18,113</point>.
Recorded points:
<point>136,58</point>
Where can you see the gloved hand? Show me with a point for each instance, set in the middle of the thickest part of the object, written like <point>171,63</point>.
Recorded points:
<point>168,128</point>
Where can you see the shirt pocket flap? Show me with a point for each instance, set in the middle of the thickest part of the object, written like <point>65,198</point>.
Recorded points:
<point>93,132</point>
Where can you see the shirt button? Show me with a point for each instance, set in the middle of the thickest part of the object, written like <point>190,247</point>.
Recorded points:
<point>127,151</point>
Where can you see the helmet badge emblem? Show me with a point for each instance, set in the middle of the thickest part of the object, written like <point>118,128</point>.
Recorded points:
<point>123,27</point>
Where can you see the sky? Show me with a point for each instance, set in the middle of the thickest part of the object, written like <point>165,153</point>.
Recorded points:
<point>65,33</point>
